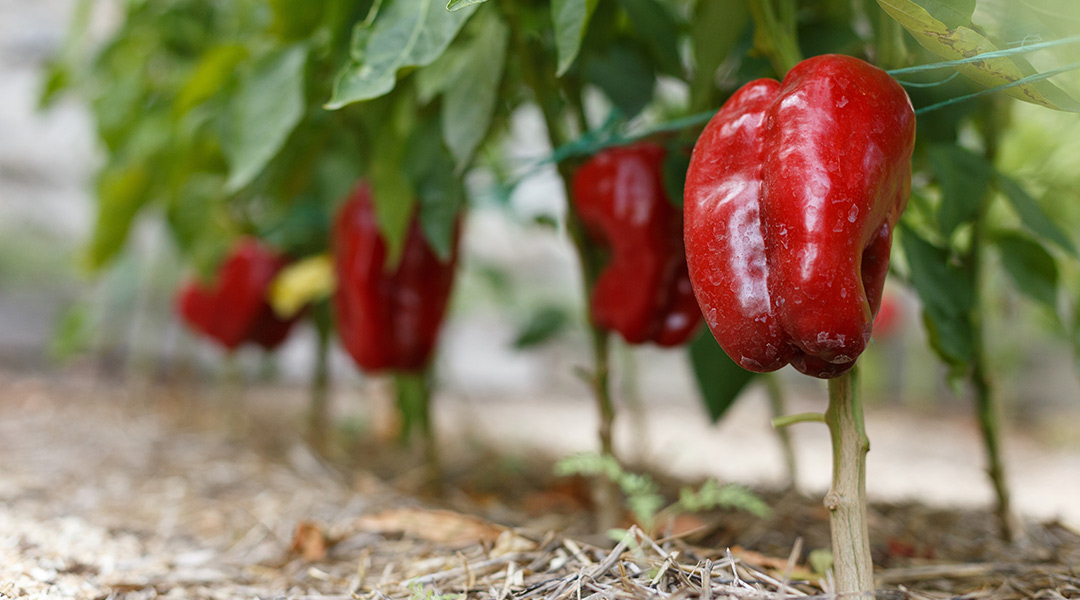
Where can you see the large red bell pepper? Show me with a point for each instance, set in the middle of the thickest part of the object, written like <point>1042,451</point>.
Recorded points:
<point>644,290</point>
<point>233,308</point>
<point>387,319</point>
<point>790,202</point>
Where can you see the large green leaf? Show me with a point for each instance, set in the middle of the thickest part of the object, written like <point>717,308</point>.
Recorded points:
<point>624,75</point>
<point>1030,266</point>
<point>469,99</point>
<point>268,104</point>
<point>213,72</point>
<point>571,20</point>
<point>962,41</point>
<point>453,5</point>
<point>714,32</point>
<point>720,380</point>
<point>659,32</point>
<point>1032,215</point>
<point>405,34</point>
<point>947,291</point>
<point>122,191</point>
<point>430,170</point>
<point>964,177</point>
<point>953,13</point>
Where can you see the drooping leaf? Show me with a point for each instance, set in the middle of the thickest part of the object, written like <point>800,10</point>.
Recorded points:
<point>469,100</point>
<point>947,291</point>
<point>964,177</point>
<point>658,30</point>
<point>1031,267</point>
<point>714,33</point>
<point>1032,215</point>
<point>406,33</point>
<point>952,43</point>
<point>570,19</point>
<point>625,76</point>
<point>268,105</point>
<point>430,171</point>
<point>214,70</point>
<point>720,380</point>
<point>543,325</point>
<point>122,191</point>
<point>953,13</point>
<point>453,5</point>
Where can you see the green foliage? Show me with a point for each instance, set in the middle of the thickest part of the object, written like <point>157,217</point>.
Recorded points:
<point>947,290</point>
<point>1030,266</point>
<point>542,326</point>
<point>642,493</point>
<point>719,379</point>
<point>404,34</point>
<point>964,177</point>
<point>570,19</point>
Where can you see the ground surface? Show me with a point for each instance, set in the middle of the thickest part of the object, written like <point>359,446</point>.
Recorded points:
<point>133,492</point>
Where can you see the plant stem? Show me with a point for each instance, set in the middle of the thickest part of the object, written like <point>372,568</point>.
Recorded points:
<point>540,77</point>
<point>318,416</point>
<point>414,405</point>
<point>987,404</point>
<point>775,33</point>
<point>846,500</point>
<point>779,408</point>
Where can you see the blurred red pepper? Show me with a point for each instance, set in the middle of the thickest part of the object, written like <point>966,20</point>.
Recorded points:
<point>387,320</point>
<point>233,308</point>
<point>644,291</point>
<point>791,198</point>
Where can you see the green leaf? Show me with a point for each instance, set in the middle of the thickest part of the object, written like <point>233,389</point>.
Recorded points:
<point>952,43</point>
<point>571,20</point>
<point>659,32</point>
<point>964,177</point>
<point>405,34</point>
<point>1031,267</point>
<point>470,98</point>
<point>625,76</point>
<point>122,191</point>
<point>74,332</point>
<point>454,5</point>
<point>545,324</point>
<point>947,291</point>
<point>214,70</point>
<point>1032,215</point>
<point>430,170</point>
<point>268,105</point>
<point>720,380</point>
<point>714,33</point>
<point>392,196</point>
<point>676,163</point>
<point>953,13</point>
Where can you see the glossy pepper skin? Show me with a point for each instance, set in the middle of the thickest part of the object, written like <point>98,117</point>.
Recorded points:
<point>387,320</point>
<point>791,198</point>
<point>644,291</point>
<point>233,308</point>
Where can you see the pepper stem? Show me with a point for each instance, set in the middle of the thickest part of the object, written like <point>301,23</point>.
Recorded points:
<point>318,412</point>
<point>414,405</point>
<point>846,500</point>
<point>546,90</point>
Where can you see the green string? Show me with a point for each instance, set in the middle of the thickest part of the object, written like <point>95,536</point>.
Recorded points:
<point>609,135</point>
<point>1022,49</point>
<point>997,88</point>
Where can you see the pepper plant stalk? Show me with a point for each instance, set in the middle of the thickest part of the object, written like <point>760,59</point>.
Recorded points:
<point>318,412</point>
<point>413,396</point>
<point>539,77</point>
<point>846,500</point>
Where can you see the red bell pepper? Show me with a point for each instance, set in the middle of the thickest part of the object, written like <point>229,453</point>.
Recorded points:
<point>644,291</point>
<point>387,319</point>
<point>233,308</point>
<point>791,198</point>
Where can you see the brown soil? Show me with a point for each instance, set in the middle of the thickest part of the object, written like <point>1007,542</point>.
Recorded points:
<point>140,491</point>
